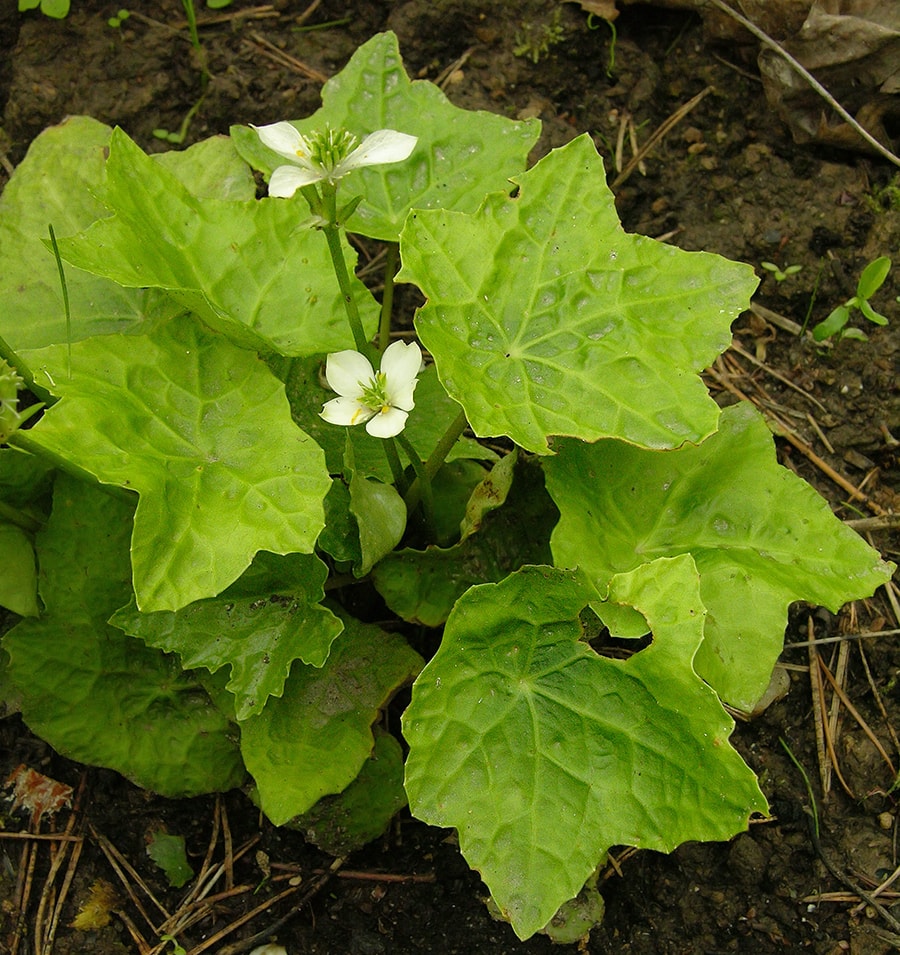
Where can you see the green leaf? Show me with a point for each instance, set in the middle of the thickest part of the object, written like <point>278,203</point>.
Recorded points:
<point>545,318</point>
<point>250,270</point>
<point>872,277</point>
<point>313,741</point>
<point>761,537</point>
<point>341,824</point>
<point>460,155</point>
<point>202,432</point>
<point>831,325</point>
<point>875,317</point>
<point>340,536</point>
<point>381,518</point>
<point>57,183</point>
<point>543,755</point>
<point>18,575</point>
<point>25,484</point>
<point>94,694</point>
<point>490,494</point>
<point>257,635</point>
<point>422,586</point>
<point>169,853</point>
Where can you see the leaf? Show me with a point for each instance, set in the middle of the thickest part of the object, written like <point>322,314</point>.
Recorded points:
<point>422,586</point>
<point>340,536</point>
<point>201,430</point>
<point>460,154</point>
<point>257,635</point>
<point>490,494</point>
<point>39,793</point>
<point>872,277</point>
<point>545,318</point>
<point>313,741</point>
<point>169,853</point>
<point>57,183</point>
<point>249,269</point>
<point>543,755</point>
<point>341,824</point>
<point>761,537</point>
<point>380,517</point>
<point>95,695</point>
<point>831,325</point>
<point>18,574</point>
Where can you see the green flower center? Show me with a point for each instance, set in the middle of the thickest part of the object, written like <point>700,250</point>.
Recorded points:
<point>374,394</point>
<point>327,147</point>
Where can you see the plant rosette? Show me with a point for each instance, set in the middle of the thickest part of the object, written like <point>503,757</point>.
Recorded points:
<point>216,451</point>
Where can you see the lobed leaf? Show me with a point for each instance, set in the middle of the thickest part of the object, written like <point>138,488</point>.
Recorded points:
<point>251,270</point>
<point>201,430</point>
<point>341,824</point>
<point>57,183</point>
<point>460,155</point>
<point>545,318</point>
<point>760,536</point>
<point>258,635</point>
<point>61,182</point>
<point>96,695</point>
<point>543,755</point>
<point>313,741</point>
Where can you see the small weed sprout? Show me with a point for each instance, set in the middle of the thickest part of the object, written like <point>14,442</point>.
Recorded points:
<point>835,326</point>
<point>120,17</point>
<point>781,274</point>
<point>534,40</point>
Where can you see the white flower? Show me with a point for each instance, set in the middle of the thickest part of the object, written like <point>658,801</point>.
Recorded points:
<point>383,400</point>
<point>327,154</point>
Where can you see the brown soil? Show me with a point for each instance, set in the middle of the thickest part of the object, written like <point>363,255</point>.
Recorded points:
<point>727,179</point>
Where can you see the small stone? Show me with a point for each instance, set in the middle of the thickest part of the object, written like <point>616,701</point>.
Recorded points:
<point>886,820</point>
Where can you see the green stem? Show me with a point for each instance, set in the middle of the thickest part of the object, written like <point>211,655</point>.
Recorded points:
<point>13,515</point>
<point>393,456</point>
<point>437,458</point>
<point>24,372</point>
<point>387,298</point>
<point>333,237</point>
<point>424,482</point>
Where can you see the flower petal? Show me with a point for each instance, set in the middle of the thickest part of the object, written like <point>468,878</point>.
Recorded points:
<point>344,370</point>
<point>401,363</point>
<point>286,180</point>
<point>283,139</point>
<point>345,411</point>
<point>402,396</point>
<point>382,146</point>
<point>385,424</point>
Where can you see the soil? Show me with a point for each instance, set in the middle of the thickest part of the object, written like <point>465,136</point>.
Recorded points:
<point>726,179</point>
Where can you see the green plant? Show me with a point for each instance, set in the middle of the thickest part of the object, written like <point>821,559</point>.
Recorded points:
<point>120,17</point>
<point>534,40</point>
<point>781,274</point>
<point>885,198</point>
<point>221,483</point>
<point>57,9</point>
<point>836,325</point>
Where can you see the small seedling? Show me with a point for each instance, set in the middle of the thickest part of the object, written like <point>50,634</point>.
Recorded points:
<point>120,17</point>
<point>781,274</point>
<point>57,9</point>
<point>535,40</point>
<point>835,326</point>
